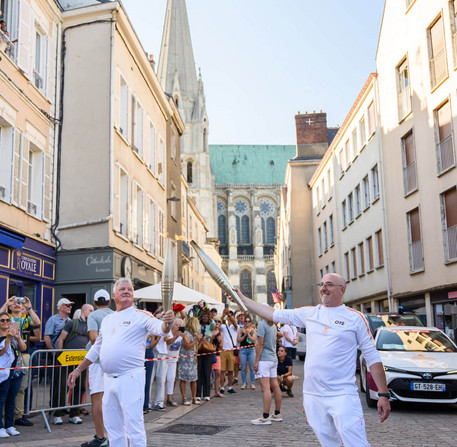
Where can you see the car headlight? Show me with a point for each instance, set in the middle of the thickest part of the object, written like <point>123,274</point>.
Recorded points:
<point>398,370</point>
<point>452,372</point>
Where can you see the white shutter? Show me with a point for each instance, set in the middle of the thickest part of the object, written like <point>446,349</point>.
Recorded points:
<point>47,190</point>
<point>116,201</point>
<point>25,146</point>
<point>146,211</point>
<point>25,39</point>
<point>16,138</point>
<point>134,212</point>
<point>117,102</point>
<point>51,65</point>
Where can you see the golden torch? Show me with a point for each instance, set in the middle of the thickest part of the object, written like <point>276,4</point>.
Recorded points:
<point>218,275</point>
<point>168,278</point>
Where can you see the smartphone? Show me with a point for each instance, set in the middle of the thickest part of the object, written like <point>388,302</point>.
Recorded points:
<point>19,299</point>
<point>181,329</point>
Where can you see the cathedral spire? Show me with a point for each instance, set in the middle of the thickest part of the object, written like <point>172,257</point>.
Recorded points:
<point>176,54</point>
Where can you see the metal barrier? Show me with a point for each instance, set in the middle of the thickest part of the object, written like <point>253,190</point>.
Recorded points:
<point>47,389</point>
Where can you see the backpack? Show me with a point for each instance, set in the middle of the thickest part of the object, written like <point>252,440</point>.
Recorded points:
<point>73,333</point>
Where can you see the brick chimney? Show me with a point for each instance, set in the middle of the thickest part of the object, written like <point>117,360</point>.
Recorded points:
<point>312,139</point>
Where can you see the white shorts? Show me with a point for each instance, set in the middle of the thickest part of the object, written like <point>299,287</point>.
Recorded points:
<point>267,369</point>
<point>95,378</point>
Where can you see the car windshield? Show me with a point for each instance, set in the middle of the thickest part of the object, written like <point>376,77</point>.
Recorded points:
<point>377,321</point>
<point>419,340</point>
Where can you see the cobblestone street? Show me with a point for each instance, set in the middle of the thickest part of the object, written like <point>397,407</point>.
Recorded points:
<point>407,426</point>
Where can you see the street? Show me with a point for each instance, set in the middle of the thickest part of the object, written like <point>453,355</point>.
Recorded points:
<point>226,422</point>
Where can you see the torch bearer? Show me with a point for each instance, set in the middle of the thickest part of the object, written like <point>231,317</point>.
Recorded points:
<point>168,278</point>
<point>218,275</point>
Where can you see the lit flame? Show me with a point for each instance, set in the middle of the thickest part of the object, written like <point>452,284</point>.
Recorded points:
<point>179,237</point>
<point>163,234</point>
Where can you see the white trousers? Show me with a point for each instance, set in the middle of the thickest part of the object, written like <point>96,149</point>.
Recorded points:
<point>159,372</point>
<point>123,408</point>
<point>335,419</point>
<point>171,376</point>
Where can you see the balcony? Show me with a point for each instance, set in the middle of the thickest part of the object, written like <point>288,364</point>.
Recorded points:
<point>438,68</point>
<point>445,154</point>
<point>7,46</point>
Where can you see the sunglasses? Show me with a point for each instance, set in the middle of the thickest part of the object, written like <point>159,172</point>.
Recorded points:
<point>5,320</point>
<point>67,305</point>
<point>247,321</point>
<point>217,321</point>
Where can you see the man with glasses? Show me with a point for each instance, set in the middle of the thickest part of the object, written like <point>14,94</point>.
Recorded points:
<point>330,397</point>
<point>52,331</point>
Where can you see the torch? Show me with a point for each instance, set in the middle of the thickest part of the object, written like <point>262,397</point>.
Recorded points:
<point>218,275</point>
<point>168,278</point>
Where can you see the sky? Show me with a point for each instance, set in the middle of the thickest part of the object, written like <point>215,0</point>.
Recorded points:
<point>263,61</point>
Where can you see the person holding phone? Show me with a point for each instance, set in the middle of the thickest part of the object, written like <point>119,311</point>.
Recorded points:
<point>218,340</point>
<point>174,345</point>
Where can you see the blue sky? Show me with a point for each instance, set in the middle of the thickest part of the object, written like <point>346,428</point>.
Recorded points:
<point>262,61</point>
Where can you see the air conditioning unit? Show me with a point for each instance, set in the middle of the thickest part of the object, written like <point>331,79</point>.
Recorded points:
<point>31,208</point>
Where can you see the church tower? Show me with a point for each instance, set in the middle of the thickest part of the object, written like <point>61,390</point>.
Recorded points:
<point>178,76</point>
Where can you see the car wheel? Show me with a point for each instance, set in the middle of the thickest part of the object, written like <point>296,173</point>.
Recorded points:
<point>372,403</point>
<point>301,358</point>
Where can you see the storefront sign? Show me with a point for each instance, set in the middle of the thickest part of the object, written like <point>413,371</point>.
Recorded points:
<point>452,295</point>
<point>101,263</point>
<point>26,264</point>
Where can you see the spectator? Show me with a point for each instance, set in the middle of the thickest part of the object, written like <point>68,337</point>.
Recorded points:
<point>22,313</point>
<point>218,341</point>
<point>196,309</point>
<point>213,313</point>
<point>205,362</point>
<point>174,344</point>
<point>160,370</point>
<point>247,337</point>
<point>290,339</point>
<point>285,374</point>
<point>187,366</point>
<point>74,335</point>
<point>151,343</point>
<point>3,28</point>
<point>94,322</point>
<point>265,365</point>
<point>229,329</point>
<point>240,319</point>
<point>11,344</point>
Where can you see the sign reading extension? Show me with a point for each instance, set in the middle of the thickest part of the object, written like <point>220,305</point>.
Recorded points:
<point>71,357</point>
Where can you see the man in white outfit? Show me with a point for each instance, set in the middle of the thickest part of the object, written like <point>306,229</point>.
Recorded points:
<point>120,345</point>
<point>334,331</point>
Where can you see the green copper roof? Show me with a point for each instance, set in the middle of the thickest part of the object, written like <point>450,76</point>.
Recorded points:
<point>260,164</point>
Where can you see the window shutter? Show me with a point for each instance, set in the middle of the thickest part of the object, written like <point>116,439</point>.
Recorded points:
<point>25,147</point>
<point>51,65</point>
<point>24,59</point>
<point>47,187</point>
<point>450,198</point>
<point>16,166</point>
<point>117,102</point>
<point>146,211</point>
<point>133,209</point>
<point>116,202</point>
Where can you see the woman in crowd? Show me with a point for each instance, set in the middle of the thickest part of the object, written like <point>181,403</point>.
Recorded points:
<point>11,345</point>
<point>151,342</point>
<point>218,341</point>
<point>187,366</point>
<point>205,362</point>
<point>246,338</point>
<point>173,341</point>
<point>285,367</point>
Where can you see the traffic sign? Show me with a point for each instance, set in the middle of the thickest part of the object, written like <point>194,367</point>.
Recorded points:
<point>71,357</point>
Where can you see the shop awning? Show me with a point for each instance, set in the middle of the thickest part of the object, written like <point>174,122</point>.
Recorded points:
<point>11,239</point>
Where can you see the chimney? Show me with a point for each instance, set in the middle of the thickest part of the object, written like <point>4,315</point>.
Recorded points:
<point>312,139</point>
<point>152,62</point>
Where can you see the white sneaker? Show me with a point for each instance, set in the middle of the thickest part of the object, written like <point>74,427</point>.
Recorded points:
<point>252,386</point>
<point>276,417</point>
<point>75,420</point>
<point>12,431</point>
<point>57,420</point>
<point>261,421</point>
<point>207,398</point>
<point>243,387</point>
<point>3,433</point>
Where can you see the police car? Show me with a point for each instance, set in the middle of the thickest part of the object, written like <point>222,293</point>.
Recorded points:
<point>420,365</point>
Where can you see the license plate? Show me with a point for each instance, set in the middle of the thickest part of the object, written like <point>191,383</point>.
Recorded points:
<point>417,386</point>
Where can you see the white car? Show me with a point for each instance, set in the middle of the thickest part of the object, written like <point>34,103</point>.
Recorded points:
<point>420,365</point>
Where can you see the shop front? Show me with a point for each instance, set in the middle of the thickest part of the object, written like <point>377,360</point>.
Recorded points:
<point>27,268</point>
<point>445,311</point>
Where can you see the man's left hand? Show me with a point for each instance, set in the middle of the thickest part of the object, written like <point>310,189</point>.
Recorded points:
<point>383,408</point>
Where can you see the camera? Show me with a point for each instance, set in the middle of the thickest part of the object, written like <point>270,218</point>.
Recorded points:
<point>19,299</point>
<point>181,329</point>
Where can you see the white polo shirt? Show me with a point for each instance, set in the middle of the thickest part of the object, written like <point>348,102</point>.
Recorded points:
<point>121,341</point>
<point>233,333</point>
<point>291,333</point>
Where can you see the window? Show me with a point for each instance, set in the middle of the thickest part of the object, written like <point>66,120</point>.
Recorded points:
<point>333,267</point>
<point>10,9</point>
<point>329,184</point>
<point>366,192</point>
<point>137,126</point>
<point>416,258</point>
<point>139,216</point>
<point>437,52</point>
<point>271,231</point>
<point>152,227</point>
<point>379,249</point>
<point>35,191</point>
<point>342,161</point>
<point>375,181</point>
<point>319,240</point>
<point>152,148</point>
<point>222,229</point>
<point>343,213</point>
<point>453,16</point>
<point>347,268</point>
<point>246,282</point>
<point>238,229</point>
<point>173,207</point>
<point>321,274</point>
<point>124,204</point>
<point>124,108</point>
<point>245,231</point>
<point>361,259</point>
<point>358,201</point>
<point>362,131</point>
<point>351,207</point>
<point>330,224</point>
<point>403,90</point>
<point>161,162</point>
<point>347,150</point>
<point>324,230</point>
<point>326,270</point>
<point>353,263</point>
<point>444,141</point>
<point>174,144</point>
<point>371,120</point>
<point>162,234</point>
<point>409,163</point>
<point>189,173</point>
<point>6,146</point>
<point>318,198</point>
<point>41,52</point>
<point>355,143</point>
<point>449,218</point>
<point>369,253</point>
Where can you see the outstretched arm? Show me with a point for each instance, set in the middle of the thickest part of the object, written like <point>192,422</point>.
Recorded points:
<point>379,377</point>
<point>265,312</point>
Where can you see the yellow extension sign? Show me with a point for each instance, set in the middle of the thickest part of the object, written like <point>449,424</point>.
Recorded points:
<point>71,357</point>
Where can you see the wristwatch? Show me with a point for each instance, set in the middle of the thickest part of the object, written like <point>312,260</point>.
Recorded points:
<point>384,395</point>
<point>28,309</point>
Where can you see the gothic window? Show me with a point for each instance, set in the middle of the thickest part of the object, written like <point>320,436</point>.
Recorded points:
<point>267,210</point>
<point>241,206</point>
<point>245,233</point>
<point>270,231</point>
<point>222,229</point>
<point>246,283</point>
<point>238,229</point>
<point>189,172</point>
<point>271,285</point>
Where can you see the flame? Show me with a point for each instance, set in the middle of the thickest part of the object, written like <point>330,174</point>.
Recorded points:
<point>163,234</point>
<point>179,237</point>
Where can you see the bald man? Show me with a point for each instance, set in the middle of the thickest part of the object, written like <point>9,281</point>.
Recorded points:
<point>330,397</point>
